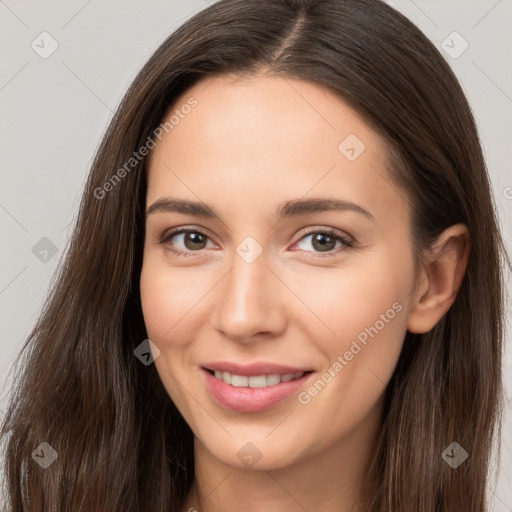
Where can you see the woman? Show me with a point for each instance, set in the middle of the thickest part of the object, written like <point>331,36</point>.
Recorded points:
<point>272,299</point>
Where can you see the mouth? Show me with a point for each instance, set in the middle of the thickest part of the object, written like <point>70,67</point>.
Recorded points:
<point>255,392</point>
<point>255,381</point>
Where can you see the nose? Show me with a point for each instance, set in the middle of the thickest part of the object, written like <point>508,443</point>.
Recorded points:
<point>250,302</point>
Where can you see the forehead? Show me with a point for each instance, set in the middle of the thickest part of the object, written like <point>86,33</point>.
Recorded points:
<point>253,139</point>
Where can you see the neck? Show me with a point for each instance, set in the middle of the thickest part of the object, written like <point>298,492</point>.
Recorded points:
<point>329,479</point>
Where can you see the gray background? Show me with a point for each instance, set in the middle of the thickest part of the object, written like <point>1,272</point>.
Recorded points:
<point>54,112</point>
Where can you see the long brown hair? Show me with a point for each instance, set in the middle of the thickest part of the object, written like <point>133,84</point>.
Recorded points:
<point>121,443</point>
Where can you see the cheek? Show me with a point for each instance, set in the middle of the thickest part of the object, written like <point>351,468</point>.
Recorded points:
<point>347,301</point>
<point>165,300</point>
<point>365,310</point>
<point>168,297</point>
<point>367,315</point>
<point>158,305</point>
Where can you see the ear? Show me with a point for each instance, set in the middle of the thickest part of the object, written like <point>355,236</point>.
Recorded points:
<point>440,278</point>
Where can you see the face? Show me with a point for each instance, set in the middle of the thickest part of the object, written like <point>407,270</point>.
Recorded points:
<point>280,307</point>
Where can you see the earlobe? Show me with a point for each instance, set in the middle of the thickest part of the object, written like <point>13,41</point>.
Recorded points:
<point>441,278</point>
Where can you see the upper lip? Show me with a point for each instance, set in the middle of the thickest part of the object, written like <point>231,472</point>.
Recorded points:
<point>253,369</point>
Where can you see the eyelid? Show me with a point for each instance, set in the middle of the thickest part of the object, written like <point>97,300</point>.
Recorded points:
<point>178,229</point>
<point>326,230</point>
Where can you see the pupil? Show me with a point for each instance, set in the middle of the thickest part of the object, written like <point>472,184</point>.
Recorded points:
<point>324,242</point>
<point>194,238</point>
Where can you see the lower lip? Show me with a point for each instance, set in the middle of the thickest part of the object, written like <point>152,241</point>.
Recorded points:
<point>251,399</point>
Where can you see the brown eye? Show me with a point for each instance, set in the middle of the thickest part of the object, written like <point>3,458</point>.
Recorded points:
<point>323,242</point>
<point>184,241</point>
<point>193,240</point>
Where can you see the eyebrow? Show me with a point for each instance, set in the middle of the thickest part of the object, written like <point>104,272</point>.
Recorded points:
<point>292,208</point>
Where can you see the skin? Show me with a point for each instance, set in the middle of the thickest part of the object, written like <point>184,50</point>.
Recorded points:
<point>249,146</point>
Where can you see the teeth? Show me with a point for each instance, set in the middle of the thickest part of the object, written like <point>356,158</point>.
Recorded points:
<point>272,380</point>
<point>256,381</point>
<point>239,381</point>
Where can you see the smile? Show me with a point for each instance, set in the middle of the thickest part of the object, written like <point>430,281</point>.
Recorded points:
<point>257,381</point>
<point>252,393</point>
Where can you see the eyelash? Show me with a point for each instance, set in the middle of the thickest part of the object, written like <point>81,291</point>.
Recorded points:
<point>346,242</point>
